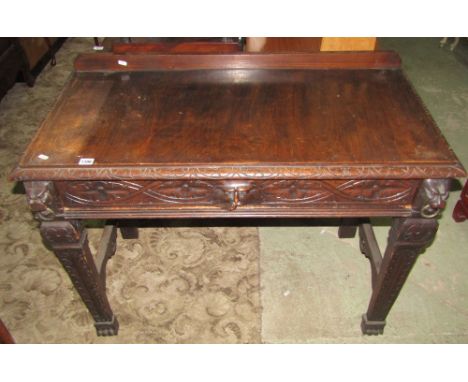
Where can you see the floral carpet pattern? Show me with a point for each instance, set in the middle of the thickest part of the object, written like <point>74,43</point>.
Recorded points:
<point>172,285</point>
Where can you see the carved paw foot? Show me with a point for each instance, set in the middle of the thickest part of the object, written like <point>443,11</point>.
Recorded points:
<point>371,327</point>
<point>108,328</point>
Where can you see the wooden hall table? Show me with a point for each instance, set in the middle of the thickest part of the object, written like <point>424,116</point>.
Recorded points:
<point>238,135</point>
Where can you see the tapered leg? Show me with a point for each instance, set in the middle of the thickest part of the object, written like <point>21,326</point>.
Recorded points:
<point>129,232</point>
<point>407,239</point>
<point>348,228</point>
<point>69,241</point>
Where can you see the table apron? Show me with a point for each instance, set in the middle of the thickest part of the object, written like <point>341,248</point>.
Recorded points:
<point>234,198</point>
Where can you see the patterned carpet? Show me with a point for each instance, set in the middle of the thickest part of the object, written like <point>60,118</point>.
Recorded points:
<point>173,285</point>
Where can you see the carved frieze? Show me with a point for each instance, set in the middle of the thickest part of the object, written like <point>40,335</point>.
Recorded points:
<point>102,193</point>
<point>303,192</point>
<point>179,193</point>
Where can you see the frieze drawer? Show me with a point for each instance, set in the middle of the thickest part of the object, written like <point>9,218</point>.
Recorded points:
<point>235,196</point>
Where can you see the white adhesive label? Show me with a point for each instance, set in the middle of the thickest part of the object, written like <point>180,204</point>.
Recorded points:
<point>86,161</point>
<point>97,47</point>
<point>122,62</point>
<point>43,156</point>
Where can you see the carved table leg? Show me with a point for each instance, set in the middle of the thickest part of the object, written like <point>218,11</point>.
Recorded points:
<point>69,241</point>
<point>407,239</point>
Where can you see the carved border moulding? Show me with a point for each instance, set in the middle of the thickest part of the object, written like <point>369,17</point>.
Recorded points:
<point>42,199</point>
<point>431,198</point>
<point>249,192</point>
<point>339,171</point>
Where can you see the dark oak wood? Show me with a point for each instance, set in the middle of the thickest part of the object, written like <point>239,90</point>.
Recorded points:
<point>129,232</point>
<point>348,228</point>
<point>238,135</point>
<point>324,60</point>
<point>178,47</point>
<point>69,241</point>
<point>218,124</point>
<point>407,240</point>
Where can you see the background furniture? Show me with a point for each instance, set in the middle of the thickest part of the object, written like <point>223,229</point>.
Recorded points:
<point>172,44</point>
<point>12,63</point>
<point>39,51</point>
<point>23,58</point>
<point>232,44</point>
<point>460,212</point>
<point>309,44</point>
<point>178,47</point>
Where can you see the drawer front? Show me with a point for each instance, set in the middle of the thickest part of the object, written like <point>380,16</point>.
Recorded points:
<point>255,197</point>
<point>164,194</point>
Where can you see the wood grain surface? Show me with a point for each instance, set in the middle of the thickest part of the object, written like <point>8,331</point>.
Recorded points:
<point>181,47</point>
<point>287,60</point>
<point>239,123</point>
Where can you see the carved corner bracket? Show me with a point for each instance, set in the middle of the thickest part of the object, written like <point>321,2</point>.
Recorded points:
<point>42,199</point>
<point>432,197</point>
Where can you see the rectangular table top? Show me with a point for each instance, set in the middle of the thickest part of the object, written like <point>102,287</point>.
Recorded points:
<point>179,119</point>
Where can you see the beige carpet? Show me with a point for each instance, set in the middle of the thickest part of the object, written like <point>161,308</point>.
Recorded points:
<point>173,285</point>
